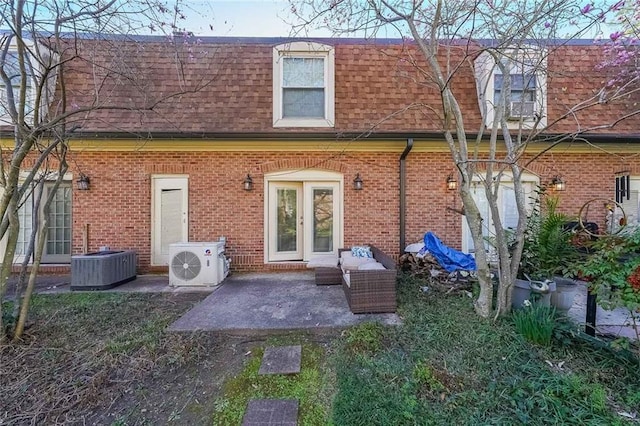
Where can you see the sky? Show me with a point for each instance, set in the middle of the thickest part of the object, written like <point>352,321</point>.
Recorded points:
<point>246,18</point>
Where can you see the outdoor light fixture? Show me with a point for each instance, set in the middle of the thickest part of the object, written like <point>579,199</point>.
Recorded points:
<point>558,184</point>
<point>83,182</point>
<point>452,184</point>
<point>248,183</point>
<point>357,182</point>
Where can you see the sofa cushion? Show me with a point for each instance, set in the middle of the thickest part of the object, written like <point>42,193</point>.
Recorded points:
<point>352,263</point>
<point>361,251</point>
<point>322,261</point>
<point>346,254</point>
<point>371,266</point>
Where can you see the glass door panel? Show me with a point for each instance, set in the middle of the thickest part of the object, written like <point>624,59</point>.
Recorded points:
<point>285,221</point>
<point>322,218</point>
<point>58,244</point>
<point>26,217</point>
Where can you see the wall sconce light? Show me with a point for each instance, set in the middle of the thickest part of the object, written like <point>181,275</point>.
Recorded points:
<point>83,182</point>
<point>357,182</point>
<point>452,184</point>
<point>558,184</point>
<point>247,183</point>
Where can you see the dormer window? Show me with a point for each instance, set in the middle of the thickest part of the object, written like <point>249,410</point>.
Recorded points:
<point>521,100</point>
<point>520,78</point>
<point>11,68</point>
<point>15,78</point>
<point>303,85</point>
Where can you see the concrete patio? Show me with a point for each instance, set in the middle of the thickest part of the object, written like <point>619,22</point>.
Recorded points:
<point>252,303</point>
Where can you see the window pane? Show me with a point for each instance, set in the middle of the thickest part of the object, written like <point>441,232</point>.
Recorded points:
<point>12,68</point>
<point>25,214</point>
<point>523,87</point>
<point>322,220</point>
<point>510,208</point>
<point>303,72</point>
<point>520,82</point>
<point>303,103</point>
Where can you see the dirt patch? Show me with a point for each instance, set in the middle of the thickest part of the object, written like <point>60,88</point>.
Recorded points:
<point>105,358</point>
<point>183,394</point>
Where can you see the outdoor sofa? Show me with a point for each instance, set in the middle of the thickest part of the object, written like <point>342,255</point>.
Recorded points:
<point>371,286</point>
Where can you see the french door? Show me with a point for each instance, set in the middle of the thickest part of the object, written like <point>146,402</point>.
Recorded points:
<point>57,248</point>
<point>303,219</point>
<point>507,209</point>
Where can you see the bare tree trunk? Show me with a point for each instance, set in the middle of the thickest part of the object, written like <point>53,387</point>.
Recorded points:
<point>7,263</point>
<point>42,229</point>
<point>26,300</point>
<point>484,303</point>
<point>20,284</point>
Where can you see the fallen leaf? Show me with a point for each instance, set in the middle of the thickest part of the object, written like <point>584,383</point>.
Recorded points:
<point>628,415</point>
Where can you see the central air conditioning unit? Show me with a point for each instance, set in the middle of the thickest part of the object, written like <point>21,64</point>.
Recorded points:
<point>197,264</point>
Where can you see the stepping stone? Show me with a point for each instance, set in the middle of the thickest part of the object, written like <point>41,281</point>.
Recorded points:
<point>271,412</point>
<point>281,360</point>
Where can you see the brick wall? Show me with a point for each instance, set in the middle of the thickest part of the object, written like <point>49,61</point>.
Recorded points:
<point>118,206</point>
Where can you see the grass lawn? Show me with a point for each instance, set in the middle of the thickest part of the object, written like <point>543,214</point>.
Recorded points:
<point>104,358</point>
<point>447,366</point>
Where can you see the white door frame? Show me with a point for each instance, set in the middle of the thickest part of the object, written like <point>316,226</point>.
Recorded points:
<point>530,182</point>
<point>159,183</point>
<point>307,179</point>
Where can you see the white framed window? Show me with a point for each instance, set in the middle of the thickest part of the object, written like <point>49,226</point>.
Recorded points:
<point>10,63</point>
<point>525,88</point>
<point>303,85</point>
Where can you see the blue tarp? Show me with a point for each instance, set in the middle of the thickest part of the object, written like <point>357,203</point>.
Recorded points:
<point>450,259</point>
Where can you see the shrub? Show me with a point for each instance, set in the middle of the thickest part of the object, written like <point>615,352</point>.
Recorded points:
<point>535,323</point>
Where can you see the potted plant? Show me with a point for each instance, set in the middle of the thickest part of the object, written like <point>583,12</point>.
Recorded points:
<point>548,255</point>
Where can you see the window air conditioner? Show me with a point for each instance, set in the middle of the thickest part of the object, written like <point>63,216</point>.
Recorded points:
<point>520,110</point>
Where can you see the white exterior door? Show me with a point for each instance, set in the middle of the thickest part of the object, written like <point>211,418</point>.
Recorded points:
<point>170,221</point>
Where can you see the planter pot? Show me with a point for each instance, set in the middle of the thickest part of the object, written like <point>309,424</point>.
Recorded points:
<point>566,290</point>
<point>523,289</point>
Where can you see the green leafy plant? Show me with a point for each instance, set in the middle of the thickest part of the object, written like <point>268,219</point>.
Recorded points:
<point>535,323</point>
<point>547,246</point>
<point>613,270</point>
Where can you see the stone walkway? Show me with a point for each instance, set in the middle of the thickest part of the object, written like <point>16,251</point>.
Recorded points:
<point>275,412</point>
<point>281,360</point>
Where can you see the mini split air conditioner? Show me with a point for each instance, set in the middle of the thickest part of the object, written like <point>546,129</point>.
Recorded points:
<point>197,264</point>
